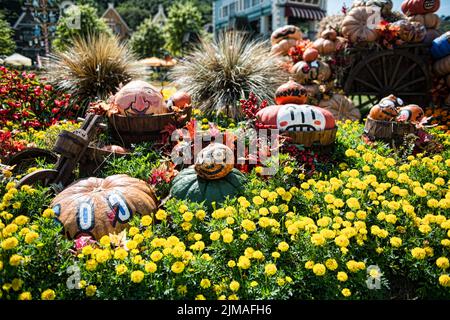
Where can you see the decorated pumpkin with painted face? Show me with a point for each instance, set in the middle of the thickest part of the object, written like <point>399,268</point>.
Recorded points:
<point>386,109</point>
<point>214,162</point>
<point>294,117</point>
<point>410,113</point>
<point>180,99</point>
<point>305,72</point>
<point>96,207</point>
<point>291,92</point>
<point>139,98</point>
<point>286,32</point>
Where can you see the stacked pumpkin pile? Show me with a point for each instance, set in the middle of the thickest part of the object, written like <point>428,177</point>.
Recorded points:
<point>440,50</point>
<point>389,120</point>
<point>419,26</point>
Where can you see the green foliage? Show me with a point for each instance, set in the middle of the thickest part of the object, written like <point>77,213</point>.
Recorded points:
<point>183,18</point>
<point>133,15</point>
<point>148,40</point>
<point>137,165</point>
<point>90,24</point>
<point>7,44</point>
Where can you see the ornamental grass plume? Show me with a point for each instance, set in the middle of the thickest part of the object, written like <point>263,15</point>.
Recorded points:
<point>221,72</point>
<point>93,68</point>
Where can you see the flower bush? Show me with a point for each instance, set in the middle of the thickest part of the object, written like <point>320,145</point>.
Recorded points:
<point>375,225</point>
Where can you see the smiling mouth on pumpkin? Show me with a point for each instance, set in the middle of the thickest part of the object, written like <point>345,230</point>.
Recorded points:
<point>301,127</point>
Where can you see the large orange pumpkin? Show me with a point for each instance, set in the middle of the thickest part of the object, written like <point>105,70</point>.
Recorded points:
<point>442,66</point>
<point>355,25</point>
<point>386,109</point>
<point>139,98</point>
<point>291,92</point>
<point>214,162</point>
<point>180,99</point>
<point>341,107</point>
<point>96,207</point>
<point>294,117</point>
<point>282,47</point>
<point>286,32</point>
<point>429,20</point>
<point>413,7</point>
<point>410,113</point>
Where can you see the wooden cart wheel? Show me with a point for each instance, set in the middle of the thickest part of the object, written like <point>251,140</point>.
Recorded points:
<point>27,157</point>
<point>389,72</point>
<point>44,177</point>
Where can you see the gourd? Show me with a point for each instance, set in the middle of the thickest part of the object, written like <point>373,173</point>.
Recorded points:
<point>412,32</point>
<point>296,118</point>
<point>180,100</point>
<point>286,32</point>
<point>187,185</point>
<point>413,7</point>
<point>291,92</point>
<point>341,107</point>
<point>96,207</point>
<point>441,46</point>
<point>282,47</point>
<point>355,28</point>
<point>386,109</point>
<point>139,98</point>
<point>214,162</point>
<point>310,54</point>
<point>410,113</point>
<point>442,66</point>
<point>429,20</point>
<point>304,72</point>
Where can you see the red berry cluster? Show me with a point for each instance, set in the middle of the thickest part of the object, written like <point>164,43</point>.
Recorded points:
<point>251,107</point>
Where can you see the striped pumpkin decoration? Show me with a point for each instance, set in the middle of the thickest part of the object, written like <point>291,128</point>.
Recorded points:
<point>214,162</point>
<point>96,207</point>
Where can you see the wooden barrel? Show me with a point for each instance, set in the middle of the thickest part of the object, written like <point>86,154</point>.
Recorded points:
<point>70,145</point>
<point>309,138</point>
<point>387,130</point>
<point>137,129</point>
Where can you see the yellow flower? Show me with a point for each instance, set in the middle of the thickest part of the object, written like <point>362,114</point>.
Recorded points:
<point>214,236</point>
<point>283,246</point>
<point>309,264</point>
<point>234,286</point>
<point>105,241</point>
<point>161,215</point>
<point>317,239</point>
<point>91,290</point>
<point>258,200</point>
<point>275,255</point>
<point>341,241</point>
<point>395,242</point>
<point>121,269</point>
<point>48,294</point>
<point>131,245</point>
<point>342,276</point>
<point>48,213</point>
<point>442,263</point>
<point>319,269</point>
<point>270,269</point>
<point>248,225</point>
<point>91,265</point>
<point>346,292</point>
<point>188,216</point>
<point>353,203</point>
<point>419,253</point>
<point>21,220</point>
<point>182,289</point>
<point>200,214</point>
<point>120,254</point>
<point>243,262</point>
<point>227,238</point>
<point>331,264</point>
<point>146,220</point>
<point>178,267</point>
<point>200,297</point>
<point>205,283</point>
<point>25,296</point>
<point>288,170</point>
<point>444,280</point>
<point>137,276</point>
<point>15,260</point>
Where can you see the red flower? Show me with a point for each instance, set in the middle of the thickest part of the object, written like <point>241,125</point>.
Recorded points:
<point>48,87</point>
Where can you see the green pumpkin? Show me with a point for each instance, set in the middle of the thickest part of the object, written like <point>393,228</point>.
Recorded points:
<point>187,185</point>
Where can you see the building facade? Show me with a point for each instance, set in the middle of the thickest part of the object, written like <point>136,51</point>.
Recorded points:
<point>116,22</point>
<point>261,17</point>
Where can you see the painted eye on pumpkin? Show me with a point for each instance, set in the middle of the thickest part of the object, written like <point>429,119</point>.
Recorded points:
<point>400,101</point>
<point>123,214</point>
<point>85,216</point>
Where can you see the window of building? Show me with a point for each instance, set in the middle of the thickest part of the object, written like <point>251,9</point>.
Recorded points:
<point>232,8</point>
<point>246,4</point>
<point>224,11</point>
<point>255,2</point>
<point>313,2</point>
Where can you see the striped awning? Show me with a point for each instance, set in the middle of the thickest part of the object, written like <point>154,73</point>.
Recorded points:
<point>305,13</point>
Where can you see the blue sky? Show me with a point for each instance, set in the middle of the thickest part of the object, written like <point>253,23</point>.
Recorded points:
<point>334,6</point>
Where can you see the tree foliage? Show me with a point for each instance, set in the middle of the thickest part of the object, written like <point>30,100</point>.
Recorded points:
<point>184,18</point>
<point>89,24</point>
<point>148,40</point>
<point>7,44</point>
<point>134,16</point>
